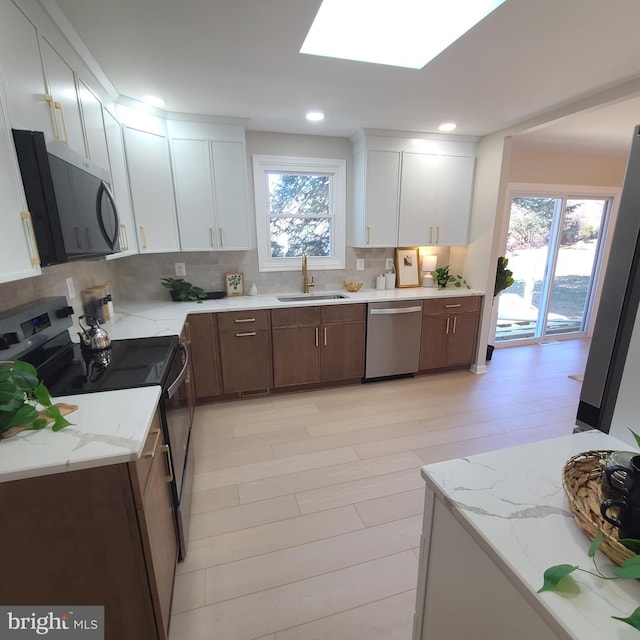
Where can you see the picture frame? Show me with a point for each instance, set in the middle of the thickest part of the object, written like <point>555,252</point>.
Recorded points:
<point>234,283</point>
<point>407,267</point>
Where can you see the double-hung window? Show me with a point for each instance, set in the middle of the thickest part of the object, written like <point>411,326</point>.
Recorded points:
<point>300,210</point>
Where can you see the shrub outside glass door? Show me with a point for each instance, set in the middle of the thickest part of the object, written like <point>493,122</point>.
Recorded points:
<point>553,247</point>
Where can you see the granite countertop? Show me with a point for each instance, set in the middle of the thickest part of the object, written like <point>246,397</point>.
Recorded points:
<point>137,320</point>
<point>110,427</point>
<point>512,502</point>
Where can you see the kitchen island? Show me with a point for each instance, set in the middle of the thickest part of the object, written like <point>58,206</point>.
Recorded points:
<point>492,524</point>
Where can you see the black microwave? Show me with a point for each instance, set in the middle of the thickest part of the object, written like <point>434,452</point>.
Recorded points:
<point>72,208</point>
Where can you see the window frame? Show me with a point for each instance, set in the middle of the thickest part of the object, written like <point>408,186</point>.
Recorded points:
<point>336,169</point>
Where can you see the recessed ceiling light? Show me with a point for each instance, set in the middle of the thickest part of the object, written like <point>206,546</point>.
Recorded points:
<point>315,116</point>
<point>403,33</point>
<point>153,101</point>
<point>447,126</point>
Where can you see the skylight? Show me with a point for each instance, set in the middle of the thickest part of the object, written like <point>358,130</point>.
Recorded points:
<point>401,33</point>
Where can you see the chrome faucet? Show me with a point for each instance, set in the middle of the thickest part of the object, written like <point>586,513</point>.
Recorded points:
<point>306,282</point>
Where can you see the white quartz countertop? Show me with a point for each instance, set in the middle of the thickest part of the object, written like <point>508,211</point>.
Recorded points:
<point>108,428</point>
<point>137,320</point>
<point>513,504</point>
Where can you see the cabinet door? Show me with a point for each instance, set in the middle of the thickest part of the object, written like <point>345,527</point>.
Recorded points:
<point>120,186</point>
<point>433,342</point>
<point>418,199</point>
<point>62,86</point>
<point>381,198</point>
<point>455,186</point>
<point>150,178</point>
<point>245,357</point>
<point>159,539</point>
<point>230,189</point>
<point>194,194</point>
<point>93,126</point>
<point>462,339</point>
<point>26,107</point>
<point>18,253</point>
<point>205,355</point>
<point>342,351</point>
<point>296,355</point>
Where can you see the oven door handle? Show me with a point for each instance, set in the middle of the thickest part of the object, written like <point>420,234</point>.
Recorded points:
<point>175,385</point>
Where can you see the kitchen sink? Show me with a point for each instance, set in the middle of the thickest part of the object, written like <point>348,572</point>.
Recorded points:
<point>312,296</point>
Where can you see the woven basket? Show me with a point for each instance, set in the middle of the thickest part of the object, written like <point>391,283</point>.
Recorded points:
<point>582,479</point>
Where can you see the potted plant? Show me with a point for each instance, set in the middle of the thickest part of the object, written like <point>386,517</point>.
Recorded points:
<point>504,279</point>
<point>444,278</point>
<point>181,290</point>
<point>20,395</point>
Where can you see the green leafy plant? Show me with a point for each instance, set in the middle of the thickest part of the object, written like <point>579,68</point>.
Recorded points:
<point>181,290</point>
<point>504,276</point>
<point>444,278</point>
<point>20,395</point>
<point>557,577</point>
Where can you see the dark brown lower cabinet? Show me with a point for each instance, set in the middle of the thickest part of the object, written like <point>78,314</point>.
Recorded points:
<point>449,332</point>
<point>102,536</point>
<point>205,355</point>
<point>318,344</point>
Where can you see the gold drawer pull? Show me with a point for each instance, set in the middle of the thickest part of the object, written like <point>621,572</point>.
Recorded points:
<point>248,333</point>
<point>317,332</point>
<point>152,451</point>
<point>448,321</point>
<point>165,448</point>
<point>31,238</point>
<point>452,306</point>
<point>455,321</point>
<point>245,320</point>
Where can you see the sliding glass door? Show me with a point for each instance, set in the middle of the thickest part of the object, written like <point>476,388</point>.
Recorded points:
<point>553,247</point>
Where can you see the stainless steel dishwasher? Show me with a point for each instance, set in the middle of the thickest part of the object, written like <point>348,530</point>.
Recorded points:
<point>393,338</point>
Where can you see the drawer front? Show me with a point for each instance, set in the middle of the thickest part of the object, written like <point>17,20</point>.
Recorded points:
<point>295,317</point>
<point>244,320</point>
<point>343,313</point>
<point>466,304</point>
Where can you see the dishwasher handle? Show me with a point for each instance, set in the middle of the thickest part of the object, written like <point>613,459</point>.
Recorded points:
<point>394,310</point>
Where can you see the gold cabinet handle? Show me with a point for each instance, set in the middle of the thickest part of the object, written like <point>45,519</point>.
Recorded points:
<point>246,334</point>
<point>452,306</point>
<point>76,233</point>
<point>152,452</point>
<point>448,321</point>
<point>59,107</point>
<point>56,131</point>
<point>124,241</point>
<point>87,234</point>
<point>31,238</point>
<point>221,236</point>
<point>430,234</point>
<point>212,237</point>
<point>324,337</point>
<point>438,234</point>
<point>144,236</point>
<point>165,448</point>
<point>317,336</point>
<point>368,235</point>
<point>455,321</point>
<point>187,333</point>
<point>238,320</point>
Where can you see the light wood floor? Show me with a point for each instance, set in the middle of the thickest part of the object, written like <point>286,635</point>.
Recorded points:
<point>307,507</point>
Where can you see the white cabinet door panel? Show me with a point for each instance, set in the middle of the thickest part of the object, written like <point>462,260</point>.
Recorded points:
<point>194,194</point>
<point>230,189</point>
<point>93,125</point>
<point>455,187</point>
<point>150,178</point>
<point>381,198</point>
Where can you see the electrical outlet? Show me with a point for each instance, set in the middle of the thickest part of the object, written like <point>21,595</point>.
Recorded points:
<point>181,269</point>
<point>71,290</point>
<point>389,264</point>
<point>359,264</point>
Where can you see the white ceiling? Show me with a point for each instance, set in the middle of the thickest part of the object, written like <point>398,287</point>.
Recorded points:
<point>240,58</point>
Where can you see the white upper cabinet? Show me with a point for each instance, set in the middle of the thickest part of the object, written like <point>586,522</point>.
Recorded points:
<point>120,186</point>
<point>435,199</point>
<point>62,88</point>
<point>151,182</point>
<point>405,196</point>
<point>211,194</point>
<point>21,67</point>
<point>376,191</point>
<point>18,253</point>
<point>94,125</point>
